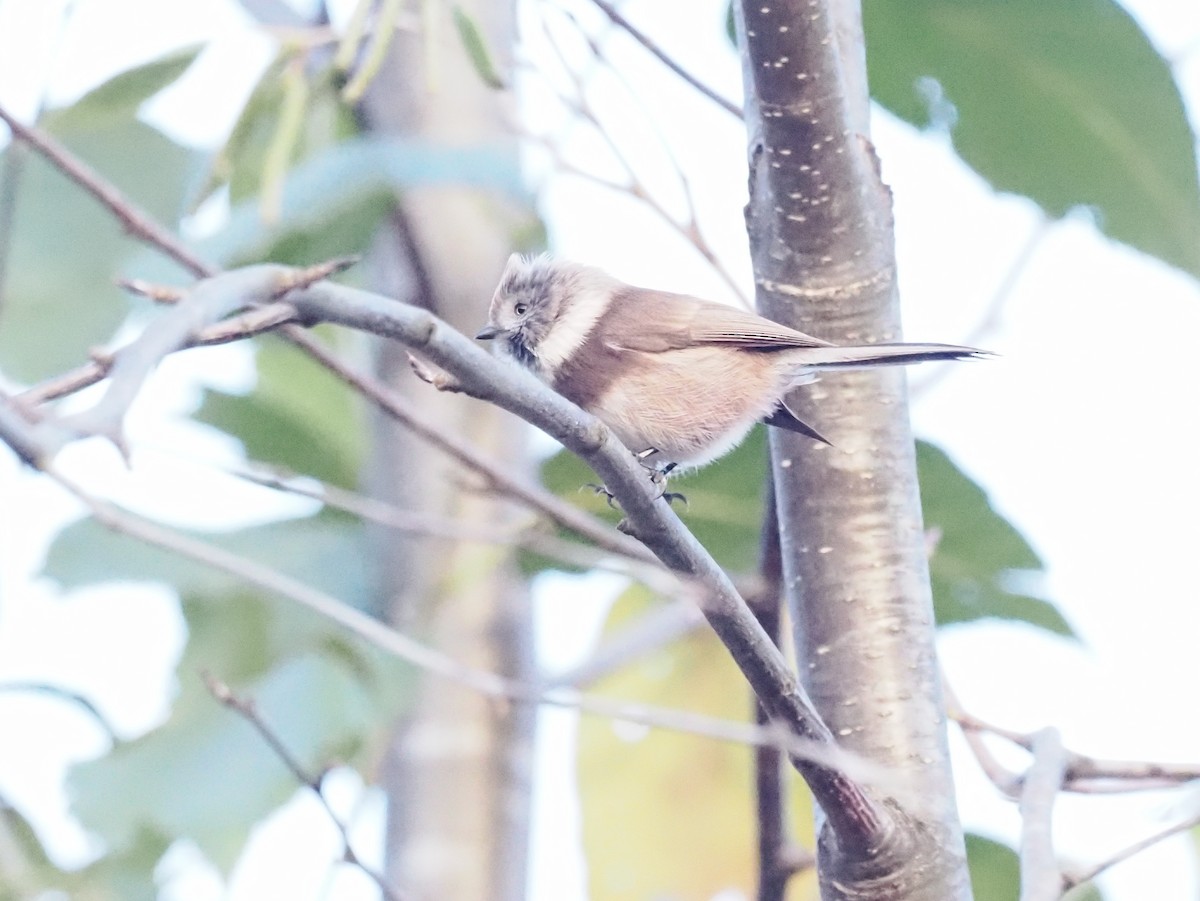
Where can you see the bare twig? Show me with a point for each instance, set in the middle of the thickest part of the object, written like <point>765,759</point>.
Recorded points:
<point>244,325</point>
<point>649,633</point>
<point>430,525</point>
<point>390,402</point>
<point>1041,878</point>
<point>1078,878</point>
<point>582,108</point>
<point>208,301</point>
<point>64,694</point>
<point>28,440</point>
<point>621,22</point>
<point>1085,775</point>
<point>248,710</point>
<point>135,222</point>
<point>779,856</point>
<point>497,477</point>
<point>990,320</point>
<point>413,652</point>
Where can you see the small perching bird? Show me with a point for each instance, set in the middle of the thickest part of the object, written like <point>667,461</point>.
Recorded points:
<point>680,380</point>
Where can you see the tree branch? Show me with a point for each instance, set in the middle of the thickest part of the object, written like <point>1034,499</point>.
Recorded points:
<point>248,710</point>
<point>135,221</point>
<point>1041,879</point>
<point>143,226</point>
<point>1078,878</point>
<point>658,53</point>
<point>1085,775</point>
<point>413,652</point>
<point>652,521</point>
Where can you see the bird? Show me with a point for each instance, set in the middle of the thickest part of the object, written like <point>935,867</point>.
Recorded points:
<point>679,380</point>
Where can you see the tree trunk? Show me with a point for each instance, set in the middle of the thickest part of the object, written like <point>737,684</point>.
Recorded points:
<point>457,774</point>
<point>855,567</point>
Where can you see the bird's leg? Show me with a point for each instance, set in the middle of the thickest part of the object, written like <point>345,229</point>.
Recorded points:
<point>658,475</point>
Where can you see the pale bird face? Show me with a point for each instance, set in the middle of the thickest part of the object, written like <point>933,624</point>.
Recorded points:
<point>523,307</point>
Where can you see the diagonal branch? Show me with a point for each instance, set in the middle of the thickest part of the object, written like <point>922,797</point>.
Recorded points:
<point>413,652</point>
<point>1078,878</point>
<point>652,521</point>
<point>247,709</point>
<point>658,53</point>
<point>850,808</point>
<point>142,225</point>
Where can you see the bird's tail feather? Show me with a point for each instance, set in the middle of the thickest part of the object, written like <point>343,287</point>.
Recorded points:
<point>865,356</point>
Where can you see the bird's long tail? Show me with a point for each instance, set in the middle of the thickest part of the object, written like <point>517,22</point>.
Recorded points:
<point>867,355</point>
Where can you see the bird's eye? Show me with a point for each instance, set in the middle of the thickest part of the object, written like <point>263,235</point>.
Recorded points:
<point>521,309</point>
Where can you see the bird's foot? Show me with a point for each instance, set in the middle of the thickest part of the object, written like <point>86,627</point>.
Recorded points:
<point>658,477</point>
<point>601,489</point>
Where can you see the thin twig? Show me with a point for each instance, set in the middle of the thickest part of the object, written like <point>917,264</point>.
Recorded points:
<point>621,22</point>
<point>64,694</point>
<point>1041,878</point>
<point>136,223</point>
<point>497,476</point>
<point>650,632</point>
<point>244,325</point>
<point>142,225</point>
<point>430,525</point>
<point>582,108</point>
<point>1078,878</point>
<point>780,857</point>
<point>248,710</point>
<point>1085,775</point>
<point>990,320</point>
<point>413,652</point>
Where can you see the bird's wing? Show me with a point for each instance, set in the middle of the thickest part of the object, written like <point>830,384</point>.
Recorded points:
<point>656,322</point>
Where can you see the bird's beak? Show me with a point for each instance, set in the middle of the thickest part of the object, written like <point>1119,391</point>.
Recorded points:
<point>487,333</point>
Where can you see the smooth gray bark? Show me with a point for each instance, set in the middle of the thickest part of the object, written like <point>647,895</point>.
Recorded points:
<point>854,559</point>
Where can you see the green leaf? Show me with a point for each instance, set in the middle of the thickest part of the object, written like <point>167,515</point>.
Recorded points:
<point>298,416</point>
<point>207,775</point>
<point>65,249</point>
<point>204,774</point>
<point>980,556</point>
<point>358,172</point>
<point>243,163</point>
<point>123,94</point>
<point>477,51</point>
<point>1066,103</point>
<point>324,551</point>
<point>995,870</point>
<point>650,797</point>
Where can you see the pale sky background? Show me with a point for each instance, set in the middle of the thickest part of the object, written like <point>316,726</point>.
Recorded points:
<point>1083,432</point>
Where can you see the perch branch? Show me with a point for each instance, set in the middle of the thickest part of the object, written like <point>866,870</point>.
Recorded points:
<point>851,809</point>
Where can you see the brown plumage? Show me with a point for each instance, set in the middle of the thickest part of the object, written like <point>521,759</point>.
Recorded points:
<point>680,380</point>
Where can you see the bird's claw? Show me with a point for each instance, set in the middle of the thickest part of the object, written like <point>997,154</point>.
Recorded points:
<point>600,489</point>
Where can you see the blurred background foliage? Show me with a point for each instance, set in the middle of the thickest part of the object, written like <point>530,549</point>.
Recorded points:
<point>1052,101</point>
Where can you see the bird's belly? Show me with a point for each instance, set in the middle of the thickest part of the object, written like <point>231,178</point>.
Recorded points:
<point>691,405</point>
